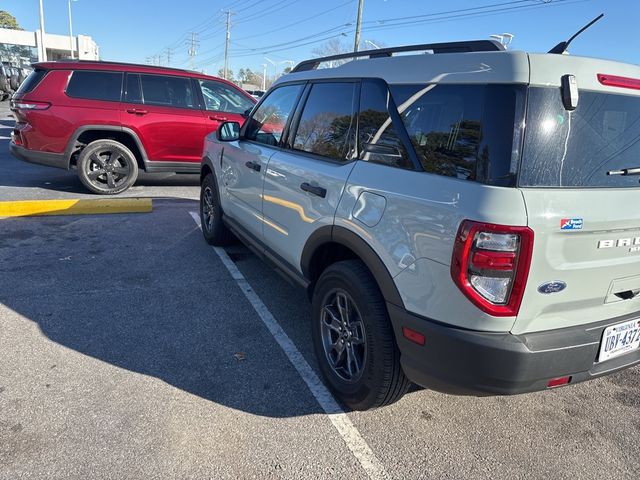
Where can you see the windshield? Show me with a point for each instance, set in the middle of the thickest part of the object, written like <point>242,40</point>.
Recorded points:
<point>577,149</point>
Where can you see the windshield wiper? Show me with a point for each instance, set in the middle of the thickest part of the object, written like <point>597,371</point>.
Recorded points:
<point>625,171</point>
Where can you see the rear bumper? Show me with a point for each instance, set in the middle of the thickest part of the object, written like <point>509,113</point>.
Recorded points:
<point>466,362</point>
<point>58,160</point>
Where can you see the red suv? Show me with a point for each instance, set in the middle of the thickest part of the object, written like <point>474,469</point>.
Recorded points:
<point>108,120</point>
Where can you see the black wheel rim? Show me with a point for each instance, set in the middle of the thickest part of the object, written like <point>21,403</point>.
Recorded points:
<point>343,336</point>
<point>208,208</point>
<point>108,169</point>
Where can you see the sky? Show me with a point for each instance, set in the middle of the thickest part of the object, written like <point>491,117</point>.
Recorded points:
<point>289,30</point>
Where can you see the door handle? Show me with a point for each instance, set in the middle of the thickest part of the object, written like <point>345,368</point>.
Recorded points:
<point>253,166</point>
<point>137,111</point>
<point>319,191</point>
<point>218,118</point>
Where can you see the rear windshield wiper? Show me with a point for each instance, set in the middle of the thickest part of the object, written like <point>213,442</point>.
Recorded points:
<point>625,171</point>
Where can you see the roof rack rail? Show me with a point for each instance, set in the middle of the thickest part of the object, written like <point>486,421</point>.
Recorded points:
<point>448,47</point>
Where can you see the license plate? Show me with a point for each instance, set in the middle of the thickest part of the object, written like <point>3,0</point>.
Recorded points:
<point>620,339</point>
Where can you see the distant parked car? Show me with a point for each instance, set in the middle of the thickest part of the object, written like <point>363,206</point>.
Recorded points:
<point>5,86</point>
<point>257,94</point>
<point>108,120</point>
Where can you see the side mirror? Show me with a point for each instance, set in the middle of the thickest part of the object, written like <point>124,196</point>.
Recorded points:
<point>228,132</point>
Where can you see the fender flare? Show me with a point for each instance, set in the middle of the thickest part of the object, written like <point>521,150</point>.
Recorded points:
<point>355,243</point>
<point>113,128</point>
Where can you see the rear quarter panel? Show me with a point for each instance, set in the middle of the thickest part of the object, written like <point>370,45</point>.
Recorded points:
<point>414,237</point>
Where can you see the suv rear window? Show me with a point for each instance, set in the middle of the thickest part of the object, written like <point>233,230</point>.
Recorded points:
<point>577,149</point>
<point>32,81</point>
<point>470,132</point>
<point>95,85</point>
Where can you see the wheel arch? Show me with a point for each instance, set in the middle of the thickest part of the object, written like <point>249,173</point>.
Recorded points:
<point>90,133</point>
<point>330,244</point>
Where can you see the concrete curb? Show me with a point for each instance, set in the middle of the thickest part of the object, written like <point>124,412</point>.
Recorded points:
<point>26,208</point>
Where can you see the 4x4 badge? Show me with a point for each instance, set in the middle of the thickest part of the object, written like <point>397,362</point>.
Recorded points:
<point>552,287</point>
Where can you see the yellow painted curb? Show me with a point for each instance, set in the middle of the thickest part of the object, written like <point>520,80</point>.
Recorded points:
<point>75,207</point>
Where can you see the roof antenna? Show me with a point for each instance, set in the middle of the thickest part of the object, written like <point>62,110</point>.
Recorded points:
<point>562,46</point>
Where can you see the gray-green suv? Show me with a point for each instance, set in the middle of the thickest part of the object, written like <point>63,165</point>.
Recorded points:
<point>466,219</point>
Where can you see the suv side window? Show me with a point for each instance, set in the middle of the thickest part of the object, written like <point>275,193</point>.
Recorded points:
<point>327,126</point>
<point>95,85</point>
<point>221,97</point>
<point>378,139</point>
<point>168,91</point>
<point>269,119</point>
<point>133,92</point>
<point>444,124</point>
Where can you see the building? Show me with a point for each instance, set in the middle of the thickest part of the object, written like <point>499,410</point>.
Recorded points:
<point>22,47</point>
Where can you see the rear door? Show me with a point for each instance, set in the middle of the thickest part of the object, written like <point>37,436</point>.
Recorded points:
<point>164,111</point>
<point>304,184</point>
<point>586,218</point>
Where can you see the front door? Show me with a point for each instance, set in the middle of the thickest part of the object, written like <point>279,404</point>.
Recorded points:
<point>223,103</point>
<point>244,162</point>
<point>303,186</point>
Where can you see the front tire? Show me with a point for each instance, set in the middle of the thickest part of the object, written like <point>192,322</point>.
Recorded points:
<point>353,338</point>
<point>107,167</point>
<point>213,228</point>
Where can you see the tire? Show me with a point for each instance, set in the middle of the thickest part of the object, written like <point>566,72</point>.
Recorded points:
<point>213,228</point>
<point>107,167</point>
<point>369,338</point>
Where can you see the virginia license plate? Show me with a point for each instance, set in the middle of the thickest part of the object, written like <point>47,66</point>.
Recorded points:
<point>620,339</point>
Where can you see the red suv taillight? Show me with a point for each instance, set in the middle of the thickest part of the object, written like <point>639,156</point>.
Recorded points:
<point>490,265</point>
<point>28,105</point>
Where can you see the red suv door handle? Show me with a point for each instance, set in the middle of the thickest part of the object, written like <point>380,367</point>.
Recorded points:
<point>218,118</point>
<point>137,111</point>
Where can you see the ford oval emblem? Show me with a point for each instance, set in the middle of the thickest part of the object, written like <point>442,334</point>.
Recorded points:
<point>552,287</point>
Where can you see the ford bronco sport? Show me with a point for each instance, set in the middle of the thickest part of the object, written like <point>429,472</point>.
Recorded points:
<point>466,220</point>
<point>108,120</point>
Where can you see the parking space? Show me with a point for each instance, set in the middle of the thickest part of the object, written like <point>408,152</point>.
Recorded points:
<point>128,350</point>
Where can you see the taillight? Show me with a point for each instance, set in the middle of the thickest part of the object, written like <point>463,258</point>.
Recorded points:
<point>617,81</point>
<point>29,105</point>
<point>490,265</point>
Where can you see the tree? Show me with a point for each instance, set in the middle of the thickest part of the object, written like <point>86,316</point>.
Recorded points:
<point>332,47</point>
<point>229,74</point>
<point>8,21</point>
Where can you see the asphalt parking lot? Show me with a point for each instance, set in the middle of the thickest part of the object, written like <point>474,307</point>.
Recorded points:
<point>129,349</point>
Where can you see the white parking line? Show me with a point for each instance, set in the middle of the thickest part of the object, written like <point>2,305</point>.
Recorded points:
<point>349,433</point>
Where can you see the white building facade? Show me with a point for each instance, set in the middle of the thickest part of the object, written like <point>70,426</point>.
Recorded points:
<point>22,47</point>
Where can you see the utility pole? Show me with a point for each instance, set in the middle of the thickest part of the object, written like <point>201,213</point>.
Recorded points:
<point>193,45</point>
<point>264,77</point>
<point>71,31</point>
<point>226,46</point>
<point>356,44</point>
<point>43,48</point>
<point>169,52</point>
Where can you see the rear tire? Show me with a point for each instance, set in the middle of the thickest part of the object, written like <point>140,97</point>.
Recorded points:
<point>363,371</point>
<point>107,167</point>
<point>213,228</point>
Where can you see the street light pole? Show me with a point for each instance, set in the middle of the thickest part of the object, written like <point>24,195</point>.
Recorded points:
<point>70,30</point>
<point>43,48</point>
<point>264,77</point>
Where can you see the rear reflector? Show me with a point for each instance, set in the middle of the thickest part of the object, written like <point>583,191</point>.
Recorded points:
<point>412,335</point>
<point>622,82</point>
<point>558,382</point>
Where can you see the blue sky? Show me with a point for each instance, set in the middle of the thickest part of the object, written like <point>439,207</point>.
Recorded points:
<point>133,30</point>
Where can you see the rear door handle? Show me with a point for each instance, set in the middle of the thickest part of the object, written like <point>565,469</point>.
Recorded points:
<point>137,111</point>
<point>253,166</point>
<point>319,191</point>
<point>218,118</point>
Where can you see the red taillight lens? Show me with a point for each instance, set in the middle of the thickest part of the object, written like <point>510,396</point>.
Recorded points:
<point>29,105</point>
<point>616,81</point>
<point>490,265</point>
